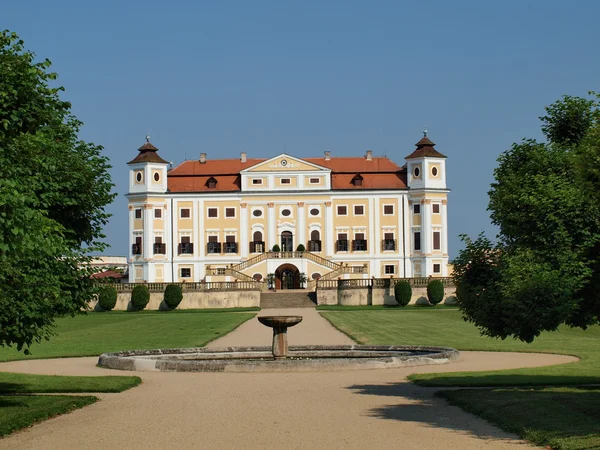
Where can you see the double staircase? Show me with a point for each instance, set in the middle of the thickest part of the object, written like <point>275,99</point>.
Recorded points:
<point>288,298</point>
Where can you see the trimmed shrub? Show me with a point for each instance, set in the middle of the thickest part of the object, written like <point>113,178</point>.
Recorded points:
<point>107,297</point>
<point>276,248</point>
<point>403,292</point>
<point>435,291</point>
<point>173,296</point>
<point>301,248</point>
<point>140,296</point>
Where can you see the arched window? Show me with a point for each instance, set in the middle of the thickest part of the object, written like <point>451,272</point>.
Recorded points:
<point>257,245</point>
<point>315,235</point>
<point>314,245</point>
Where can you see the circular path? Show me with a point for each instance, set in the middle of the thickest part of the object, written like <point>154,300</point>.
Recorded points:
<point>321,410</point>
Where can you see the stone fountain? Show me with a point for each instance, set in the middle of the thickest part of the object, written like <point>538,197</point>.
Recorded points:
<point>279,357</point>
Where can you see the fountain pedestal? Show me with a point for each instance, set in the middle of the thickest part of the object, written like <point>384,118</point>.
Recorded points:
<point>280,324</point>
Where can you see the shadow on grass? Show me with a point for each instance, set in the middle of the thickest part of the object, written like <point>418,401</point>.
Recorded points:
<point>10,388</point>
<point>500,380</point>
<point>410,403</point>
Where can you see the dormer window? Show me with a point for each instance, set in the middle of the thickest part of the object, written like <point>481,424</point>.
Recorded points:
<point>357,180</point>
<point>211,183</point>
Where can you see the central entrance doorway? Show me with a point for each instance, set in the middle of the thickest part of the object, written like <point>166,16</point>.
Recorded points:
<point>287,241</point>
<point>287,276</point>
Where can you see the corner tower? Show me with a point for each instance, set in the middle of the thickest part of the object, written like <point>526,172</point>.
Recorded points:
<point>148,171</point>
<point>428,201</point>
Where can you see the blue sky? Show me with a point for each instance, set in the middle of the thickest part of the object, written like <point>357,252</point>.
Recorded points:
<point>261,77</point>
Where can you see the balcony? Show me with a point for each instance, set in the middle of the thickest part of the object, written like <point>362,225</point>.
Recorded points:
<point>136,249</point>
<point>388,245</point>
<point>186,248</point>
<point>231,247</point>
<point>159,248</point>
<point>213,248</point>
<point>359,245</point>
<point>257,247</point>
<point>314,246</point>
<point>342,246</point>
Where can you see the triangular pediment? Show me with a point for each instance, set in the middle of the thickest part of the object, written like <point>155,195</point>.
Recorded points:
<point>284,163</point>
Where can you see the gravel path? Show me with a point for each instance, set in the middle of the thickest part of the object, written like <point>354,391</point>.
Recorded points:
<point>324,410</point>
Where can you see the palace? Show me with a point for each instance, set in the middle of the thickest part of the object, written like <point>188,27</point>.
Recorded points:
<point>287,219</point>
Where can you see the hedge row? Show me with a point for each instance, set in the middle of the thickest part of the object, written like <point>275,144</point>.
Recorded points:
<point>140,296</point>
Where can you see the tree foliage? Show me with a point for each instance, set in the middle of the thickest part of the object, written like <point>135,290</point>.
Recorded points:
<point>173,295</point>
<point>402,292</point>
<point>53,190</point>
<point>107,297</point>
<point>545,268</point>
<point>435,291</point>
<point>140,296</point>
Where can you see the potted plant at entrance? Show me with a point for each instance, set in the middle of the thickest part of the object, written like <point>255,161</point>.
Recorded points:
<point>302,279</point>
<point>271,281</point>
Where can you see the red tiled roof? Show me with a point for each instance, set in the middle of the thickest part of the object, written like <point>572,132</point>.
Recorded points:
<point>107,274</point>
<point>379,173</point>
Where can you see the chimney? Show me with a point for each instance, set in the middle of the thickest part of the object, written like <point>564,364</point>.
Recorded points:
<point>202,158</point>
<point>369,155</point>
<point>243,157</point>
<point>327,155</point>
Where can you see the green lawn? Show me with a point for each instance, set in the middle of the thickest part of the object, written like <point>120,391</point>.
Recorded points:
<point>20,411</point>
<point>100,332</point>
<point>557,417</point>
<point>21,383</point>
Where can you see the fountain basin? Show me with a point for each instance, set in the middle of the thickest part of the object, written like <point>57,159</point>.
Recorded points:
<point>310,358</point>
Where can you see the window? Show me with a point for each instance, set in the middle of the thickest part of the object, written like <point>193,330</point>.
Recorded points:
<point>256,181</point>
<point>285,181</point>
<point>257,245</point>
<point>436,240</point>
<point>417,239</point>
<point>416,172</point>
<point>229,212</point>
<point>211,183</point>
<point>434,171</point>
<point>158,213</point>
<point>389,269</point>
<point>184,213</point>
<point>186,272</point>
<point>136,249</point>
<point>139,177</point>
<point>138,213</point>
<point>360,243</point>
<point>389,242</point>
<point>186,247</point>
<point>359,210</point>
<point>159,247</point>
<point>213,212</point>
<point>342,210</point>
<point>417,208</point>
<point>435,208</point>
<point>314,212</point>
<point>257,212</point>
<point>156,176</point>
<point>314,181</point>
<point>286,212</point>
<point>230,244</point>
<point>213,246</point>
<point>342,242</point>
<point>314,245</point>
<point>357,180</point>
<point>388,210</point>
<point>437,268</point>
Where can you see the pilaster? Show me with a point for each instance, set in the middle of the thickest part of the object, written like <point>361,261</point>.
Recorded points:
<point>272,233</point>
<point>329,239</point>
<point>301,228</point>
<point>244,241</point>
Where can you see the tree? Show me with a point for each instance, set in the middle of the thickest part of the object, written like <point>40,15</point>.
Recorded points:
<point>545,269</point>
<point>53,190</point>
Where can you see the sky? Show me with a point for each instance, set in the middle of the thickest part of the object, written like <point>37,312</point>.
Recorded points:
<point>266,77</point>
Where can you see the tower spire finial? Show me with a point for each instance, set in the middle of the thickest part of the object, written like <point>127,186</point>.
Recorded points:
<point>147,137</point>
<point>425,132</point>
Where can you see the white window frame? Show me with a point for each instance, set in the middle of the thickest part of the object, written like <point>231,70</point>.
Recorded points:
<point>337,214</point>
<point>385,267</point>
<point>393,209</point>
<point>364,207</point>
<point>212,207</point>
<point>188,208</point>
<point>225,212</point>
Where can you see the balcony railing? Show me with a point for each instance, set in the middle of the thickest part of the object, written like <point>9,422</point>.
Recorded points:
<point>342,246</point>
<point>159,248</point>
<point>213,247</point>
<point>231,247</point>
<point>186,248</point>
<point>257,247</point>
<point>359,245</point>
<point>136,249</point>
<point>314,246</point>
<point>388,245</point>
